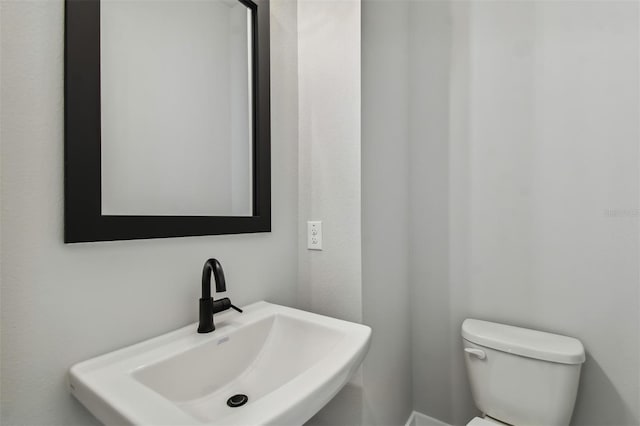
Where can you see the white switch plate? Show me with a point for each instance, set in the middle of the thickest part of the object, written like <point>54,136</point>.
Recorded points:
<point>314,235</point>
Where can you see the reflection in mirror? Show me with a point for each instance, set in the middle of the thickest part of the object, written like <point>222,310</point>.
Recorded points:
<point>176,107</point>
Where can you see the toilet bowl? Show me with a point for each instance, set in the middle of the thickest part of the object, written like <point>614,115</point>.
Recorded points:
<point>521,377</point>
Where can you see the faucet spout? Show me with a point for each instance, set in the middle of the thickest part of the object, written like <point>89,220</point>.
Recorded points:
<point>212,266</point>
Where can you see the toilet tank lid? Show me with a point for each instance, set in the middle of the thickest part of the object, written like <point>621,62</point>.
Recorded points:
<point>524,342</point>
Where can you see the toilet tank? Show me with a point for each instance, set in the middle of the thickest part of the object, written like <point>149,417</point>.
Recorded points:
<point>522,377</point>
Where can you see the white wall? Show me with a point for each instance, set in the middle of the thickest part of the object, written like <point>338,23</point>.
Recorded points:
<point>329,155</point>
<point>330,281</point>
<point>383,395</point>
<point>65,303</point>
<point>537,192</point>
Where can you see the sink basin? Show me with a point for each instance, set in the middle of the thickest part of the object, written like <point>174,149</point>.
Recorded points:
<point>288,362</point>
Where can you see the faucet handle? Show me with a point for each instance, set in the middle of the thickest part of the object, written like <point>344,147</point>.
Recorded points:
<point>223,304</point>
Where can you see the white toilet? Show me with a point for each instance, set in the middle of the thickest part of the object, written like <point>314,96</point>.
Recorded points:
<point>521,377</point>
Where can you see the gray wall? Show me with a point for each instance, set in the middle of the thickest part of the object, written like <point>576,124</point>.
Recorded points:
<point>524,190</point>
<point>65,303</point>
<point>385,211</point>
<point>434,341</point>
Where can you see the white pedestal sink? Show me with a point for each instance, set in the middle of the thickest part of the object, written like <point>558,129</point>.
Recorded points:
<point>288,362</point>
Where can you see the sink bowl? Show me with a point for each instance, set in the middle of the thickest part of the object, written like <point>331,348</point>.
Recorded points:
<point>288,362</point>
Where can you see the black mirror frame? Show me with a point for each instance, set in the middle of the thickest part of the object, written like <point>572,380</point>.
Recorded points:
<point>83,219</point>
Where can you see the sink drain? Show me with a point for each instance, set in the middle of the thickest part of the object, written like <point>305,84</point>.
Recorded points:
<point>237,400</point>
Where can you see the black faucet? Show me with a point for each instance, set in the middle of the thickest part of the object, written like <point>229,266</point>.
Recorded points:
<point>208,306</point>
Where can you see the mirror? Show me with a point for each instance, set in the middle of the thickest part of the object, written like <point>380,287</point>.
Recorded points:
<point>166,118</point>
<point>176,107</point>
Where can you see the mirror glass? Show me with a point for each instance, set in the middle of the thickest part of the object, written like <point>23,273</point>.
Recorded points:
<point>176,107</point>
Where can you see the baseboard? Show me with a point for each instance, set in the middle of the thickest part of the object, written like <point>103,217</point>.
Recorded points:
<point>419,419</point>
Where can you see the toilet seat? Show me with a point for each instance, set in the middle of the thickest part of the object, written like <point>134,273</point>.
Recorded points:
<point>479,421</point>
